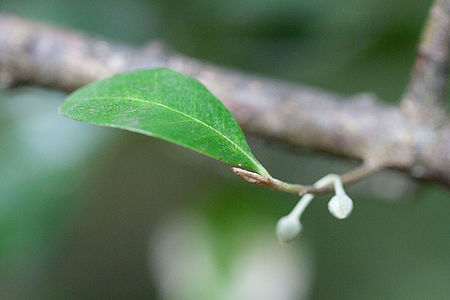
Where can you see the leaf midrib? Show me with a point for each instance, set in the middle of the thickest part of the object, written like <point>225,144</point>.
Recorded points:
<point>186,116</point>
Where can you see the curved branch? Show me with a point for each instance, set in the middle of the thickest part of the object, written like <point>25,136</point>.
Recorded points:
<point>358,127</point>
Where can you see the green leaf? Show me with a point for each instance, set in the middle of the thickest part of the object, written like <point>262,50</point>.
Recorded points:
<point>167,105</point>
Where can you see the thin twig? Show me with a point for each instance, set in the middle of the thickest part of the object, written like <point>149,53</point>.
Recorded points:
<point>347,178</point>
<point>273,183</point>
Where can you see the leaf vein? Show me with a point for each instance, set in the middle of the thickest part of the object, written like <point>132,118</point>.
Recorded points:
<point>186,116</point>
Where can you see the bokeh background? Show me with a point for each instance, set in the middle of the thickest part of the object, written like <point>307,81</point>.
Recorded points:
<point>98,213</point>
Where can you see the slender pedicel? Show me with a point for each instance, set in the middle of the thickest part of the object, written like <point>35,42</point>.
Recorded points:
<point>340,206</point>
<point>288,227</point>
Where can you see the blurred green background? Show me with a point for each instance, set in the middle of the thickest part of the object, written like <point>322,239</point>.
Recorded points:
<point>97,213</point>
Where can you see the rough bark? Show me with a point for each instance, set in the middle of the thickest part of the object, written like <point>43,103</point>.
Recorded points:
<point>425,95</point>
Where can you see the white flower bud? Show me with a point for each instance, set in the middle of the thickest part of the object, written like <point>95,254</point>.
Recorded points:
<point>340,206</point>
<point>288,228</point>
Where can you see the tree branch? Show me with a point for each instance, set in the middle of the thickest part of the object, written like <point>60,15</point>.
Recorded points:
<point>359,127</point>
<point>425,94</point>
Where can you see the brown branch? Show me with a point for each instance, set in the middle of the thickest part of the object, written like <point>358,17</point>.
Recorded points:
<point>347,178</point>
<point>270,182</point>
<point>425,94</point>
<point>359,127</point>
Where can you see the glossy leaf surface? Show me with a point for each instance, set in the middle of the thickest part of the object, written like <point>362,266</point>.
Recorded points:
<point>167,105</point>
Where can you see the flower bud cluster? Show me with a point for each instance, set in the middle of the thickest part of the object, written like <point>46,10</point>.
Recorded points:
<point>340,206</point>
